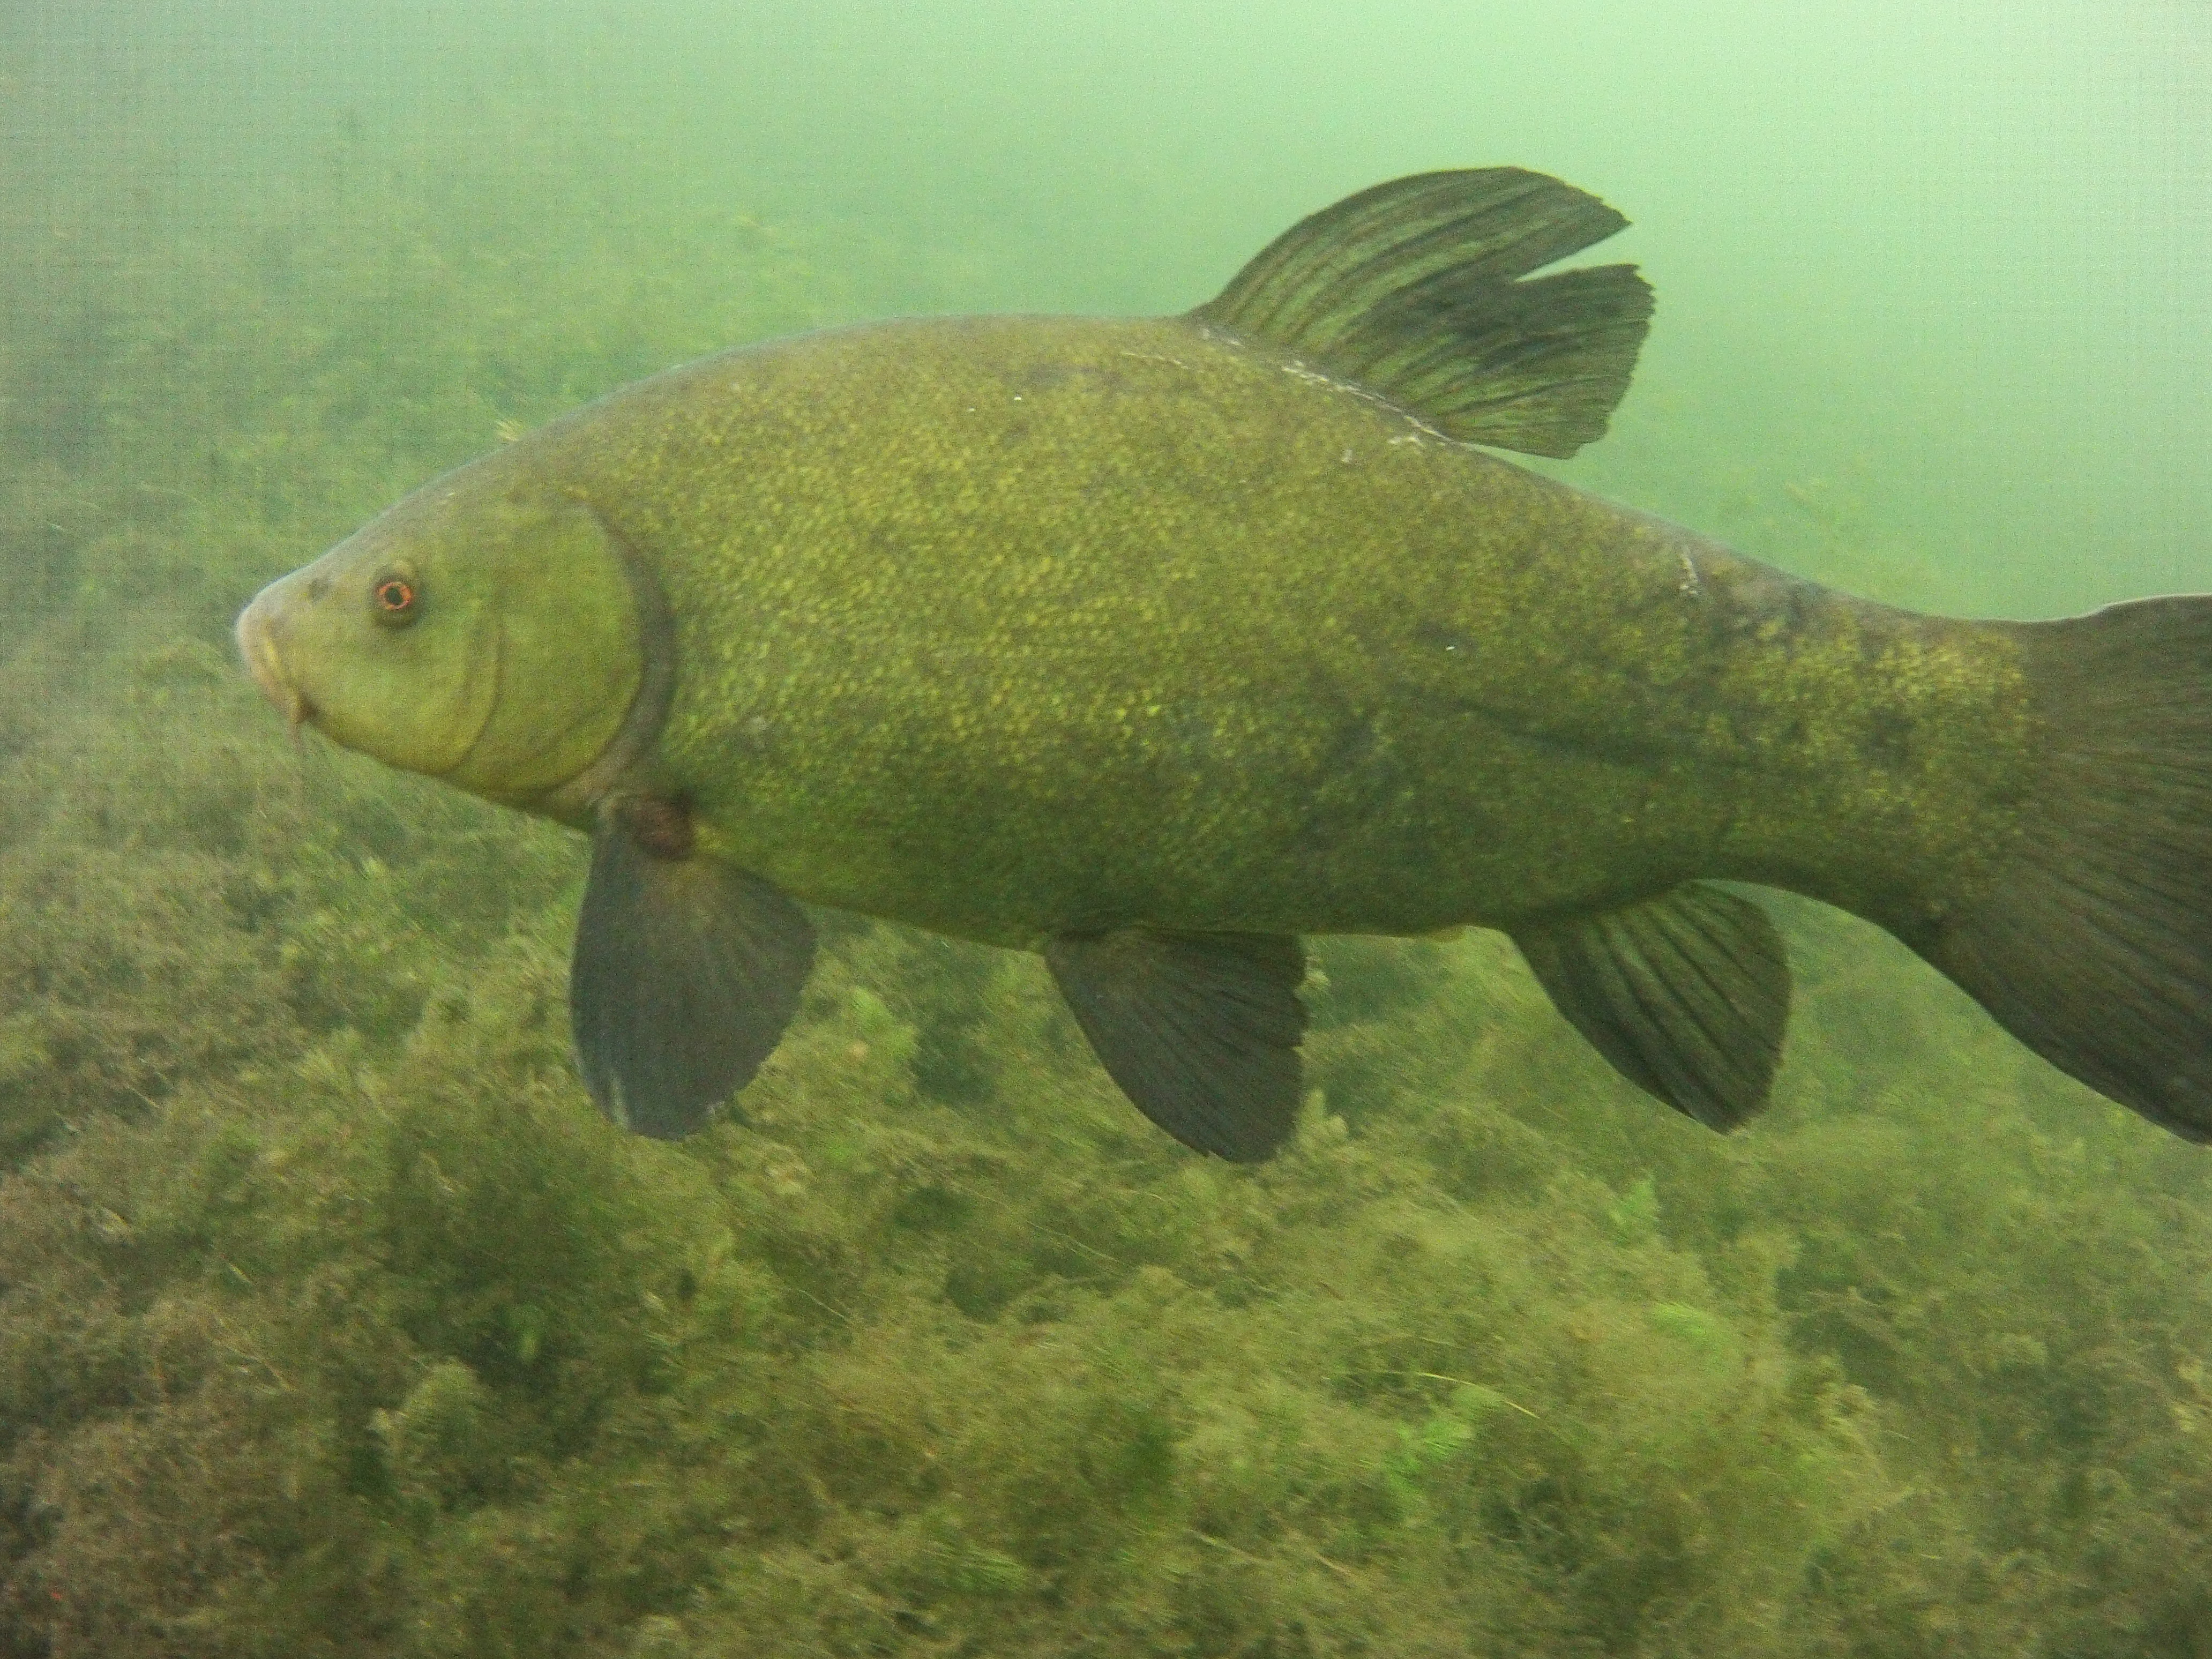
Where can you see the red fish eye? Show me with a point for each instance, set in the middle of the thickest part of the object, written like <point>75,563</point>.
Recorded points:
<point>395,599</point>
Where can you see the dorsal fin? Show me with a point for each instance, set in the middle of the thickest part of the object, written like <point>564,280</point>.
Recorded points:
<point>1414,290</point>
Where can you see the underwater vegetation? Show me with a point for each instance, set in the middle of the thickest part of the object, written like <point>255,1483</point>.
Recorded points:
<point>335,1321</point>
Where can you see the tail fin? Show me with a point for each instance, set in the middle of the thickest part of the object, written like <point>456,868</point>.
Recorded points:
<point>2094,946</point>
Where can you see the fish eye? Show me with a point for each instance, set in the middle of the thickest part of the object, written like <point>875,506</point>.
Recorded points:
<point>395,599</point>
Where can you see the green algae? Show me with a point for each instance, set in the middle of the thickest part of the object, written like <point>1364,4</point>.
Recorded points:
<point>333,1320</point>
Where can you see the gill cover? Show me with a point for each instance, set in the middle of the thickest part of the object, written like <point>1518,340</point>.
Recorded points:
<point>480,633</point>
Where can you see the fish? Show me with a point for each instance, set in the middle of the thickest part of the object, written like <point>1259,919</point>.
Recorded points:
<point>1156,645</point>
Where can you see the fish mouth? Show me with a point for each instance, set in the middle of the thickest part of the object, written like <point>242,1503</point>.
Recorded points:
<point>257,643</point>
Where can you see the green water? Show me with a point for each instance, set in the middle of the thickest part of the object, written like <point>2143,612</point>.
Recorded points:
<point>334,1322</point>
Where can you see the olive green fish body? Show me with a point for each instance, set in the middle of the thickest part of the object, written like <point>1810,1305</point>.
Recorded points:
<point>1011,627</point>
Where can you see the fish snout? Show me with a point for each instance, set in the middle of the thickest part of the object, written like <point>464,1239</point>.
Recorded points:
<point>257,632</point>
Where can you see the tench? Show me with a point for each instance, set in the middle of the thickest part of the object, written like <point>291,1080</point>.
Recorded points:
<point>1153,645</point>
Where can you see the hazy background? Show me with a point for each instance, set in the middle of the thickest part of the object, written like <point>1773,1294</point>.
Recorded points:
<point>1947,272</point>
<point>335,1322</point>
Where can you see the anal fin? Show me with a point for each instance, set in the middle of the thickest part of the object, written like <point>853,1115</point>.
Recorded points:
<point>1200,1031</point>
<point>1686,994</point>
<point>685,973</point>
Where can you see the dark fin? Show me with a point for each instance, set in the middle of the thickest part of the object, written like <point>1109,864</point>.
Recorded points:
<point>2093,945</point>
<point>1410,289</point>
<point>686,973</point>
<point>1200,1031</point>
<point>1686,993</point>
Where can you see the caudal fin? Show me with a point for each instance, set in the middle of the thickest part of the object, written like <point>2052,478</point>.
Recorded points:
<point>2095,944</point>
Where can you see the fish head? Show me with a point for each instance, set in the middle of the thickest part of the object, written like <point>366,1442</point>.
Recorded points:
<point>486,631</point>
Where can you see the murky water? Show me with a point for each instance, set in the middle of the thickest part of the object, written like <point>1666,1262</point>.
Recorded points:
<point>334,1320</point>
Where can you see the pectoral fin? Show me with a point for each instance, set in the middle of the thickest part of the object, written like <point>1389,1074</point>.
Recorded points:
<point>686,972</point>
<point>1200,1031</point>
<point>1686,994</point>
